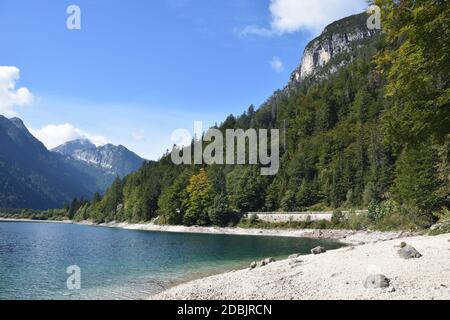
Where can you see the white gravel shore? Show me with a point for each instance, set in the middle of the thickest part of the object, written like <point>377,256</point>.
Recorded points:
<point>344,236</point>
<point>337,274</point>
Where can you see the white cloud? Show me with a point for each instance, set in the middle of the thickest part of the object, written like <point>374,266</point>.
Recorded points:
<point>10,97</point>
<point>55,135</point>
<point>138,135</point>
<point>289,16</point>
<point>277,65</point>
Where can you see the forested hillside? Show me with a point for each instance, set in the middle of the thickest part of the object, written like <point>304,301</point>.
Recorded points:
<point>373,133</point>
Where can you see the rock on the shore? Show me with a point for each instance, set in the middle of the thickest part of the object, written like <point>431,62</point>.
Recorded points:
<point>294,256</point>
<point>318,250</point>
<point>376,281</point>
<point>267,261</point>
<point>440,226</point>
<point>261,263</point>
<point>409,252</point>
<point>401,245</point>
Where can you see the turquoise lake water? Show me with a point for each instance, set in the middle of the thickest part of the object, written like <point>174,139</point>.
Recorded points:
<point>122,264</point>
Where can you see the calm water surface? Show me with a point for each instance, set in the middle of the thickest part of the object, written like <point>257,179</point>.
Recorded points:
<point>122,264</point>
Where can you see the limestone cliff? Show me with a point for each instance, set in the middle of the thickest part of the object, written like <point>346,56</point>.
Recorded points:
<point>334,48</point>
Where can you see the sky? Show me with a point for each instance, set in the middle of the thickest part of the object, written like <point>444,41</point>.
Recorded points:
<point>137,70</point>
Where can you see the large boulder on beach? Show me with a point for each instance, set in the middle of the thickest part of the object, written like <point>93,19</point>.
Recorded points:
<point>409,252</point>
<point>376,281</point>
<point>318,250</point>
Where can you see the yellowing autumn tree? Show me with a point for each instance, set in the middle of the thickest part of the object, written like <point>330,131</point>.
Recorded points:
<point>199,192</point>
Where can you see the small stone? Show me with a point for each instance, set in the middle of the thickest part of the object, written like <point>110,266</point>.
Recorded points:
<point>392,290</point>
<point>268,261</point>
<point>318,250</point>
<point>294,263</point>
<point>409,252</point>
<point>376,281</point>
<point>435,227</point>
<point>401,245</point>
<point>436,288</point>
<point>261,263</point>
<point>294,256</point>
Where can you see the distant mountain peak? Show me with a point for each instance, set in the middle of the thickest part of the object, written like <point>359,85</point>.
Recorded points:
<point>83,142</point>
<point>79,144</point>
<point>104,161</point>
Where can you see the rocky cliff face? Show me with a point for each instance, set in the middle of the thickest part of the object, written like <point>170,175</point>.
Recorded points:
<point>333,48</point>
<point>339,44</point>
<point>117,160</point>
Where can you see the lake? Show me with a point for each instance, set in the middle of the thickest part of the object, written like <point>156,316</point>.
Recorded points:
<point>122,264</point>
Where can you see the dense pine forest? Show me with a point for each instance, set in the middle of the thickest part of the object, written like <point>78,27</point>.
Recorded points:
<point>375,135</point>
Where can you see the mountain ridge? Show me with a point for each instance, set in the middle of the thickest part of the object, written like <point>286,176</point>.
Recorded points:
<point>103,163</point>
<point>30,175</point>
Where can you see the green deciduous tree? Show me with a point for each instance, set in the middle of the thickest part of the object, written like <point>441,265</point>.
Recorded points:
<point>417,66</point>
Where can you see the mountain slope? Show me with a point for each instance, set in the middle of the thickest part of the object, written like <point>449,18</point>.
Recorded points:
<point>341,43</point>
<point>103,163</point>
<point>334,122</point>
<point>333,147</point>
<point>30,175</point>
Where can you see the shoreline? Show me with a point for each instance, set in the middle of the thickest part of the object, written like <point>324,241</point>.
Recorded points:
<point>348,237</point>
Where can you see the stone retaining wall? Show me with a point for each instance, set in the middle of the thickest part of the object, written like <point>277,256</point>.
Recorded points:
<point>297,216</point>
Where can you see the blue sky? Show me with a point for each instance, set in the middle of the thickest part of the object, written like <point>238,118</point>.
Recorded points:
<point>138,69</point>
